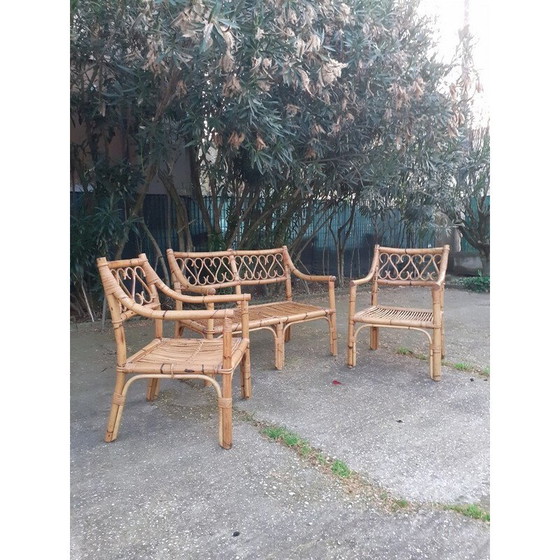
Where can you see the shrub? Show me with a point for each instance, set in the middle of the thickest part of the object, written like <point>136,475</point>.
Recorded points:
<point>477,284</point>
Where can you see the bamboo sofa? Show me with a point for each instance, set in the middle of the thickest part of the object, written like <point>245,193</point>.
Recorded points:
<point>207,272</point>
<point>132,288</point>
<point>402,267</point>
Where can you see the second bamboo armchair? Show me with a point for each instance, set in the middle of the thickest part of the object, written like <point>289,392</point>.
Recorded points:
<point>131,288</point>
<point>402,267</point>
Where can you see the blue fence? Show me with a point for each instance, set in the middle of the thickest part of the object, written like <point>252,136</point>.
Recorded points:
<point>322,253</point>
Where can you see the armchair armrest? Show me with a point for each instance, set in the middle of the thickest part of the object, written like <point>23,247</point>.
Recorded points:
<point>204,299</point>
<point>312,277</point>
<point>364,280</point>
<point>169,315</point>
<point>204,290</point>
<point>302,275</point>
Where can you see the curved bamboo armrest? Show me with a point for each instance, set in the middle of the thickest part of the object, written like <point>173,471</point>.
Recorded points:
<point>204,290</point>
<point>302,275</point>
<point>170,315</point>
<point>228,298</point>
<point>312,277</point>
<point>364,280</point>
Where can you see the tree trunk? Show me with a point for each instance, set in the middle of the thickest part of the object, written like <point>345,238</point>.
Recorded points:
<point>183,229</point>
<point>137,210</point>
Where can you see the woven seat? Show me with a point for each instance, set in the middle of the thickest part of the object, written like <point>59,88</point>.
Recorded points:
<point>132,288</point>
<point>402,267</point>
<point>208,272</point>
<point>396,316</point>
<point>181,355</point>
<point>264,315</point>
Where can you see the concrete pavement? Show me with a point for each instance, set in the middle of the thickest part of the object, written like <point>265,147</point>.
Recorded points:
<point>165,489</point>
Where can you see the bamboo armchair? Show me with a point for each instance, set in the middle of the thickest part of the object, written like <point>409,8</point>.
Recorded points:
<point>402,267</point>
<point>200,272</point>
<point>132,288</point>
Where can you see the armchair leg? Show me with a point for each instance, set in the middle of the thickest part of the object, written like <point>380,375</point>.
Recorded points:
<point>225,413</point>
<point>279,346</point>
<point>208,336</point>
<point>246,384</point>
<point>116,411</point>
<point>351,350</point>
<point>333,334</point>
<point>436,355</point>
<point>153,389</point>
<point>374,338</point>
<point>287,334</point>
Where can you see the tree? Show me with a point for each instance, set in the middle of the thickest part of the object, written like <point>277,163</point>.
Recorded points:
<point>279,105</point>
<point>466,200</point>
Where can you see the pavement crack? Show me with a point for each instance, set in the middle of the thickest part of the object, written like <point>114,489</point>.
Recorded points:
<point>352,482</point>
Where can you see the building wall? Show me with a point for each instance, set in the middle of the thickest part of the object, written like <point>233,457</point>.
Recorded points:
<point>117,150</point>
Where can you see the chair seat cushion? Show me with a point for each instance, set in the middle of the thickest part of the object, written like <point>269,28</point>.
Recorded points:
<point>396,316</point>
<point>183,355</point>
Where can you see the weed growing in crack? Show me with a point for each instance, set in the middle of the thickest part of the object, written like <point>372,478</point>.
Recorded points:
<point>471,510</point>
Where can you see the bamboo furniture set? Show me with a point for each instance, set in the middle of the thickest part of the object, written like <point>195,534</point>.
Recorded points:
<point>133,288</point>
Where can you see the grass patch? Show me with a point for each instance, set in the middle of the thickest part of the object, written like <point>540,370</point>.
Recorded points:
<point>471,510</point>
<point>460,366</point>
<point>340,469</point>
<point>277,433</point>
<point>274,432</point>
<point>400,503</point>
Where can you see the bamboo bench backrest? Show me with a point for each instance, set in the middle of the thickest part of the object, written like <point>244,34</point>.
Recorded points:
<point>410,267</point>
<point>231,268</point>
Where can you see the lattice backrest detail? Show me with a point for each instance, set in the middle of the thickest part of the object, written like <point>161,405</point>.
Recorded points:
<point>410,267</point>
<point>260,267</point>
<point>207,270</point>
<point>132,280</point>
<point>127,283</point>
